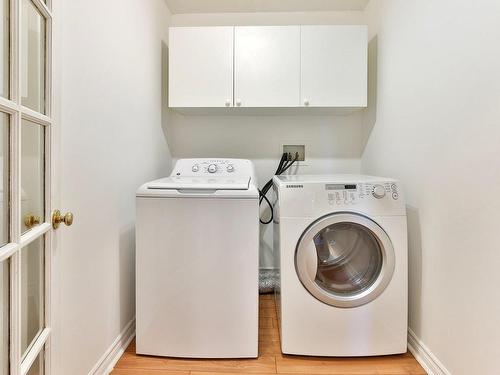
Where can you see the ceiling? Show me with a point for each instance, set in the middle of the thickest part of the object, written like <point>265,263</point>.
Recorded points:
<point>248,6</point>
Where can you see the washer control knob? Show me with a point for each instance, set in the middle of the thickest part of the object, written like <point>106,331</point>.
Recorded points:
<point>195,168</point>
<point>230,168</point>
<point>212,168</point>
<point>378,191</point>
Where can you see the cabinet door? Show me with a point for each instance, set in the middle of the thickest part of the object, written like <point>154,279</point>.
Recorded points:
<point>334,66</point>
<point>201,66</point>
<point>267,66</point>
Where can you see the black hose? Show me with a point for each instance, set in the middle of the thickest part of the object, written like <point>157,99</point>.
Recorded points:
<point>263,196</point>
<point>283,166</point>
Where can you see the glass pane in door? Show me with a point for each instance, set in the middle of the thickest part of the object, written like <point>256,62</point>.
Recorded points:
<point>4,318</point>
<point>349,258</point>
<point>32,292</point>
<point>4,48</point>
<point>32,57</point>
<point>32,174</point>
<point>4,179</point>
<point>37,366</point>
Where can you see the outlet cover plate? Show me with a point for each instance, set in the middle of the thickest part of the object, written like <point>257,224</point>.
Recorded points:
<point>291,150</point>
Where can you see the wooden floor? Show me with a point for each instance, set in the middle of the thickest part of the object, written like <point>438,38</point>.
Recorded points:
<point>270,360</point>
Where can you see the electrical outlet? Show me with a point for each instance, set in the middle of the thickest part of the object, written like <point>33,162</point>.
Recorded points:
<point>291,150</point>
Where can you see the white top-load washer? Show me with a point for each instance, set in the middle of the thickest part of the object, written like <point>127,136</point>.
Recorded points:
<point>341,249</point>
<point>197,236</point>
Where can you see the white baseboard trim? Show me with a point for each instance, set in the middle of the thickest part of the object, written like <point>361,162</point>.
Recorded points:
<point>106,363</point>
<point>108,360</point>
<point>424,356</point>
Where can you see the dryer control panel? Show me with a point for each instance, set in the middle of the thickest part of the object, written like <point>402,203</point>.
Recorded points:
<point>351,193</point>
<point>313,196</point>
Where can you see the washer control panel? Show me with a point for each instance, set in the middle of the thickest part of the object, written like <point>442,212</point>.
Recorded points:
<point>212,167</point>
<point>351,194</point>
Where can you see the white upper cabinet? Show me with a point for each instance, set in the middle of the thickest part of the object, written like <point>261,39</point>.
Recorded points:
<point>201,66</point>
<point>267,66</point>
<point>334,66</point>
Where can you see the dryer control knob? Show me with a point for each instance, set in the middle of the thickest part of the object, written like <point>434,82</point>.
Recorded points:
<point>378,191</point>
<point>212,168</point>
<point>195,168</point>
<point>230,168</point>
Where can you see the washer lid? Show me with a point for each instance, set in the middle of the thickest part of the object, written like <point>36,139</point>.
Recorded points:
<point>201,183</point>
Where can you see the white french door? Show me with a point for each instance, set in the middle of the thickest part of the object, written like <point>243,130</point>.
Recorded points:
<point>25,195</point>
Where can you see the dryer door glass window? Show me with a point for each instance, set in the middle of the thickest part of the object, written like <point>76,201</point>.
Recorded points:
<point>345,260</point>
<point>349,258</point>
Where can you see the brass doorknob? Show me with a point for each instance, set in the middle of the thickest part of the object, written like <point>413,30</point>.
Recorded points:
<point>57,219</point>
<point>31,220</point>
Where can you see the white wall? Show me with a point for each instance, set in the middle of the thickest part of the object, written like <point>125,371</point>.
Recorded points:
<point>437,129</point>
<point>333,143</point>
<point>269,18</point>
<point>110,63</point>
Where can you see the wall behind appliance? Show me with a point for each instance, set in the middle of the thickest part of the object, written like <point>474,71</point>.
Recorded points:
<point>333,143</point>
<point>434,124</point>
<point>110,75</point>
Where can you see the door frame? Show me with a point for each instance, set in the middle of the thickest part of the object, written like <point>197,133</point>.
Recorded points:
<point>17,240</point>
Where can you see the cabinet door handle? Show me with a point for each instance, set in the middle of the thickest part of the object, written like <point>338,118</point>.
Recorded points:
<point>306,102</point>
<point>228,102</point>
<point>238,102</point>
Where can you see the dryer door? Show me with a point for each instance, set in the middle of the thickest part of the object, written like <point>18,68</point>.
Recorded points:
<point>345,259</point>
